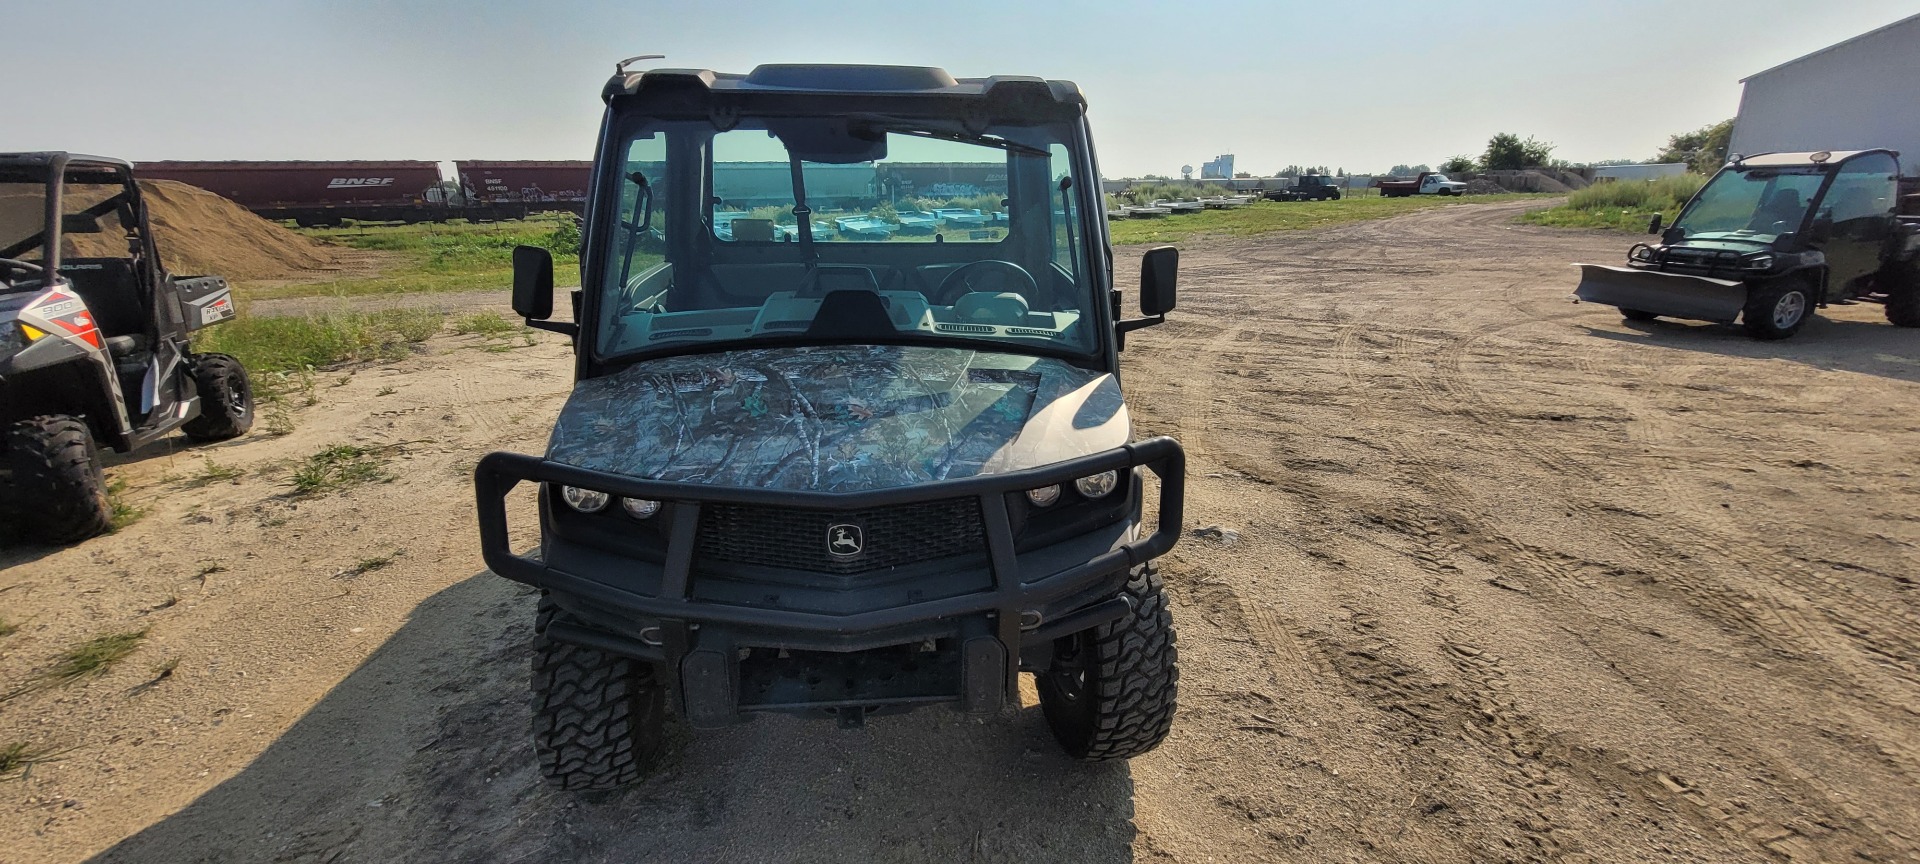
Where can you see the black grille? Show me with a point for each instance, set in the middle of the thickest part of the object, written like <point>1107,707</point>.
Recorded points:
<point>797,539</point>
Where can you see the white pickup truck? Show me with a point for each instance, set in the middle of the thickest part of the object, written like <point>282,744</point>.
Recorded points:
<point>1428,183</point>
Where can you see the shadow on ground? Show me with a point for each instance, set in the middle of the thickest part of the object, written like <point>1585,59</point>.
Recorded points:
<point>422,754</point>
<point>1873,348</point>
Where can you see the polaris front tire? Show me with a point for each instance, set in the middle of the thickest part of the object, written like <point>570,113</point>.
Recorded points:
<point>226,399</point>
<point>599,719</point>
<point>1111,690</point>
<point>55,491</point>
<point>1777,309</point>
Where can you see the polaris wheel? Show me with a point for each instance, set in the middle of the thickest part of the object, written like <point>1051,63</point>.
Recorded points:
<point>1777,309</point>
<point>1903,296</point>
<point>226,399</point>
<point>1636,314</point>
<point>1110,691</point>
<point>599,719</point>
<point>54,490</point>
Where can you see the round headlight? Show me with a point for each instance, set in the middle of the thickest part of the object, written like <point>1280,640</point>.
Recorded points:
<point>639,508</point>
<point>584,500</point>
<point>1098,485</point>
<point>1044,496</point>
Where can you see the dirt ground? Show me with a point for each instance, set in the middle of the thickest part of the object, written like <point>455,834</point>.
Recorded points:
<point>1513,581</point>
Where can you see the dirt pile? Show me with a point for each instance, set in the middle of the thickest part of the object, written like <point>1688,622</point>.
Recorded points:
<point>200,232</point>
<point>1482,186</point>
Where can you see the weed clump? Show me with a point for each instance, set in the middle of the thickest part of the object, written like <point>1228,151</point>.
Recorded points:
<point>339,467</point>
<point>94,657</point>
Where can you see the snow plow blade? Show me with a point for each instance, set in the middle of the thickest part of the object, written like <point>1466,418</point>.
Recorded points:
<point>1669,294</point>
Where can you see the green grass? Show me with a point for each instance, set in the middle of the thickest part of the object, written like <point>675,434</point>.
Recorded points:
<point>489,325</point>
<point>94,656</point>
<point>1262,217</point>
<point>213,472</point>
<point>339,467</point>
<point>120,511</point>
<point>304,342</point>
<point>367,565</point>
<point>1621,205</point>
<point>17,759</point>
<point>441,256</point>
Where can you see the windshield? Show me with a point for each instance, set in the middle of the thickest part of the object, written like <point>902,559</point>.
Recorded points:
<point>878,229</point>
<point>1758,204</point>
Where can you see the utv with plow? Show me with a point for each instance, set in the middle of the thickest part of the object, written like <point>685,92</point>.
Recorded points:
<point>810,472</point>
<point>94,342</point>
<point>1769,239</point>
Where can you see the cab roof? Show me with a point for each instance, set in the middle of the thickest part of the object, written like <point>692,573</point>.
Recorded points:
<point>841,80</point>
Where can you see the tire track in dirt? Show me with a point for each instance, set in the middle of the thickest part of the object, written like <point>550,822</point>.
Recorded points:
<point>1760,613</point>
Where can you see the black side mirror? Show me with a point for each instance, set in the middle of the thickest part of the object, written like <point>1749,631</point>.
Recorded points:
<point>1653,225</point>
<point>1159,271</point>
<point>533,282</point>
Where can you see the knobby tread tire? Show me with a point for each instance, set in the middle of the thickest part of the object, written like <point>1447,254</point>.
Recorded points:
<point>219,379</point>
<point>1132,681</point>
<point>1903,296</point>
<point>54,490</point>
<point>598,718</point>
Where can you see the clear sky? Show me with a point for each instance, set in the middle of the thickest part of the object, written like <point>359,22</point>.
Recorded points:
<point>1354,85</point>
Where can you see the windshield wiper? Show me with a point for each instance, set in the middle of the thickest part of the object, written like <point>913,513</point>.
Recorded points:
<point>903,126</point>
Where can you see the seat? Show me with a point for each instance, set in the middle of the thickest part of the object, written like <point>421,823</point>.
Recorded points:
<point>111,289</point>
<point>1784,206</point>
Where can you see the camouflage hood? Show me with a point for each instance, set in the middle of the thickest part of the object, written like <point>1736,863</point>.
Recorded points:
<point>838,419</point>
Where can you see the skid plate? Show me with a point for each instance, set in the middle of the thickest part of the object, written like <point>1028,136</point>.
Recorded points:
<point>1673,295</point>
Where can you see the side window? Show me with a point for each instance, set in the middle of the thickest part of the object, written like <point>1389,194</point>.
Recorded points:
<point>1864,190</point>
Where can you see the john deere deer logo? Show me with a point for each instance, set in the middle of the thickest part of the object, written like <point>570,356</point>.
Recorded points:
<point>844,541</point>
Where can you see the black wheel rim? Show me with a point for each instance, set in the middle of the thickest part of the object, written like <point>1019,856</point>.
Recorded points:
<point>237,395</point>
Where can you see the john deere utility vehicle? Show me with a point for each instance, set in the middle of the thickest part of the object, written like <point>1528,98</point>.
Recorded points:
<point>1769,239</point>
<point>841,473</point>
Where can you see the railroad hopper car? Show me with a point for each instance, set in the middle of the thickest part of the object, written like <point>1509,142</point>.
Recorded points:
<point>540,185</point>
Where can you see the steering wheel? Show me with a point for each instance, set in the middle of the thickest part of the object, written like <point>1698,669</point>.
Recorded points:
<point>11,266</point>
<point>944,295</point>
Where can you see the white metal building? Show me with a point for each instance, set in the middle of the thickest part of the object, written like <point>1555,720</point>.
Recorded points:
<point>1860,93</point>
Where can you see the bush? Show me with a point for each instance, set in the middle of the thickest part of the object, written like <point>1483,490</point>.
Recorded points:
<point>1666,194</point>
<point>1622,204</point>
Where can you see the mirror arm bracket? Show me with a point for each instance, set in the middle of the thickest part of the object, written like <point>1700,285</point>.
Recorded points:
<point>1131,324</point>
<point>564,328</point>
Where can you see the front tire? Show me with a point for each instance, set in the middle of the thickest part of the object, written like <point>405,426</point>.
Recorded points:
<point>1111,690</point>
<point>1636,314</point>
<point>599,719</point>
<point>55,491</point>
<point>226,399</point>
<point>1777,309</point>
